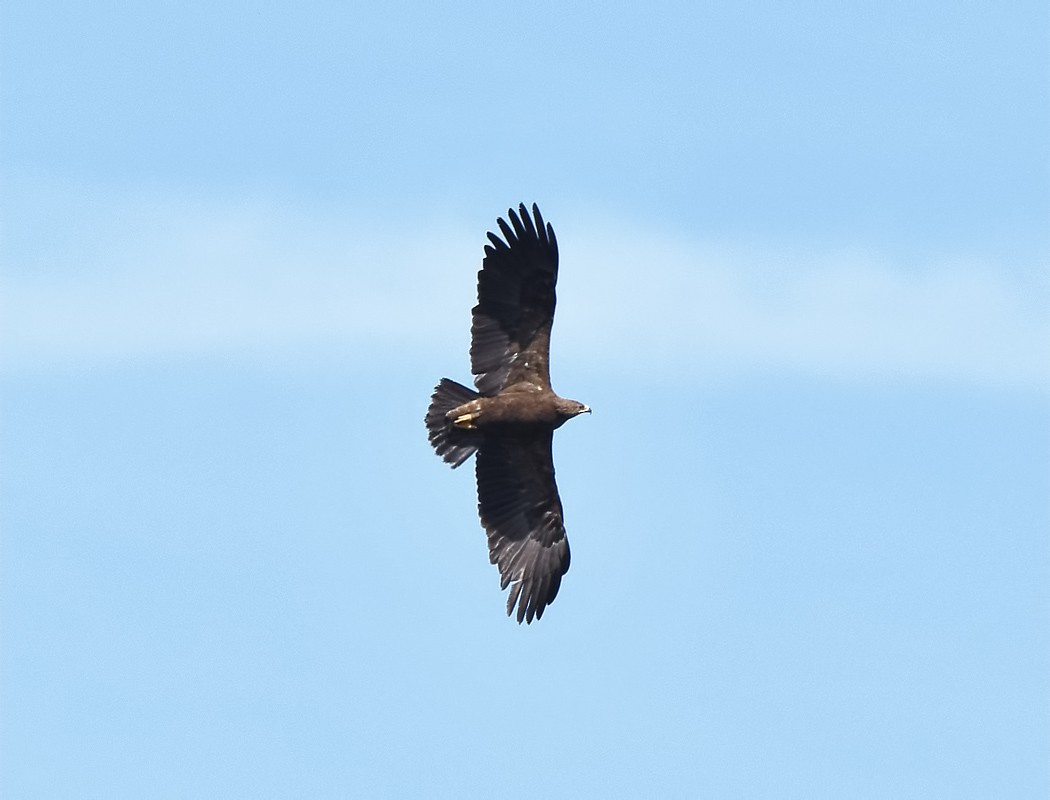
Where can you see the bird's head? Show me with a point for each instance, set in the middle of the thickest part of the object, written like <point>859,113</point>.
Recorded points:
<point>567,409</point>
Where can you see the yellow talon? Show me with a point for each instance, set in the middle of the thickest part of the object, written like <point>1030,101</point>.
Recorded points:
<point>464,421</point>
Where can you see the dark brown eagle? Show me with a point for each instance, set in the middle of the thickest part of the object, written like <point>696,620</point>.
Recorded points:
<point>510,420</point>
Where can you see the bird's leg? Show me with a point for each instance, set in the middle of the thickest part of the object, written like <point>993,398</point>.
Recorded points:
<point>465,415</point>
<point>465,421</point>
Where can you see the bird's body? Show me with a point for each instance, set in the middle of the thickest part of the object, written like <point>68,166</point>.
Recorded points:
<point>510,421</point>
<point>517,408</point>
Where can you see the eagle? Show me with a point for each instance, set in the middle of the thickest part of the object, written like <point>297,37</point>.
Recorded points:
<point>510,420</point>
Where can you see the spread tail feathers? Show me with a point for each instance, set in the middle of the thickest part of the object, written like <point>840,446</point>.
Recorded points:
<point>454,445</point>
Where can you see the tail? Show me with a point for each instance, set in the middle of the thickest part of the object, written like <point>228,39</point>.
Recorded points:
<point>453,444</point>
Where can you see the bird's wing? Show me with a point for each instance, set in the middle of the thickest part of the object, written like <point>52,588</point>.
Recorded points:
<point>510,334</point>
<point>521,512</point>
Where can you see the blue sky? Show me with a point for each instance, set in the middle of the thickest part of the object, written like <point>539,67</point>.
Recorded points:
<point>804,286</point>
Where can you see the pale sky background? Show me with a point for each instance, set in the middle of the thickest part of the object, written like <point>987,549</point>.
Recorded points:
<point>804,286</point>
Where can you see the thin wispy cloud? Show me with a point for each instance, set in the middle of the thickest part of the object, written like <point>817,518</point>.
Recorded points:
<point>148,281</point>
<point>831,311</point>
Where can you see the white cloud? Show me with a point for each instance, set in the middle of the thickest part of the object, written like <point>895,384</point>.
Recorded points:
<point>147,280</point>
<point>181,281</point>
<point>834,312</point>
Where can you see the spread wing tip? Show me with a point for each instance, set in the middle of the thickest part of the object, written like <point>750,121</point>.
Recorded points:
<point>532,596</point>
<point>522,225</point>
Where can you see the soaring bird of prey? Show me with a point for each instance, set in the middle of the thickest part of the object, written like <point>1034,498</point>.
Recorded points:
<point>510,420</point>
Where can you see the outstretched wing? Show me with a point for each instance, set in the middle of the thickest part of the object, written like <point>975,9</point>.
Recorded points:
<point>510,334</point>
<point>521,512</point>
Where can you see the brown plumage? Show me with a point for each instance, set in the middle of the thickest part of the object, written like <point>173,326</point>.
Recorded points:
<point>509,422</point>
